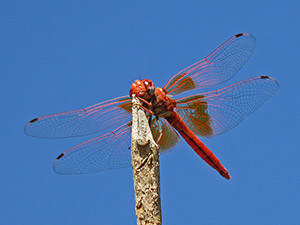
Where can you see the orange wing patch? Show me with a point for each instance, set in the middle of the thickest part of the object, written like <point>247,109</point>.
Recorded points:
<point>180,83</point>
<point>126,106</point>
<point>194,112</point>
<point>169,136</point>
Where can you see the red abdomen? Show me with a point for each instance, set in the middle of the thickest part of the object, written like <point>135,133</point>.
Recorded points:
<point>176,121</point>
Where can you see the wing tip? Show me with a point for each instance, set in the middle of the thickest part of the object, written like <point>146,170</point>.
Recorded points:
<point>263,77</point>
<point>34,120</point>
<point>60,156</point>
<point>239,35</point>
<point>243,34</point>
<point>27,126</point>
<point>55,168</point>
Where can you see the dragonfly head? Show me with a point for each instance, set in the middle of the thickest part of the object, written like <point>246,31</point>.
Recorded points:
<point>142,88</point>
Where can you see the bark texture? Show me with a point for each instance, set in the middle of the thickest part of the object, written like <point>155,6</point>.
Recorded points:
<point>145,164</point>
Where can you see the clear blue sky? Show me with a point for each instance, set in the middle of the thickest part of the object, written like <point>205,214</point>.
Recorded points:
<point>63,55</point>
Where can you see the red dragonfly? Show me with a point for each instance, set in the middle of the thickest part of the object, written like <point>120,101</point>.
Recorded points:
<point>206,115</point>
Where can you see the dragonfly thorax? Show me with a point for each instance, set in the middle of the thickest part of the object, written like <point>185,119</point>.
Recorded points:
<point>162,103</point>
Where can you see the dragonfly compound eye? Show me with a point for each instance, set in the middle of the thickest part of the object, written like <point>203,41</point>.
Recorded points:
<point>149,86</point>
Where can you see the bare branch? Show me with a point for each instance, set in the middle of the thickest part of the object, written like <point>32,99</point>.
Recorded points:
<point>145,164</point>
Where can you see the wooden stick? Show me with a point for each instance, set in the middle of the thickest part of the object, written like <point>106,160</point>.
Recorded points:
<point>145,165</point>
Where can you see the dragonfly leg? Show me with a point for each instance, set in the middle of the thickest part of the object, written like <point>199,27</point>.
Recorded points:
<point>147,110</point>
<point>146,102</point>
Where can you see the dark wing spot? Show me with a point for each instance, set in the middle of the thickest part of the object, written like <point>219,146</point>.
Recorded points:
<point>264,77</point>
<point>239,35</point>
<point>35,119</point>
<point>60,156</point>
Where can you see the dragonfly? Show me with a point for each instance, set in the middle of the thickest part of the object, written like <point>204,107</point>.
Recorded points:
<point>203,115</point>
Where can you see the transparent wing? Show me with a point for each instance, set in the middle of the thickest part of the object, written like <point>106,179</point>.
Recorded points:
<point>109,151</point>
<point>215,112</point>
<point>169,136</point>
<point>83,121</point>
<point>220,66</point>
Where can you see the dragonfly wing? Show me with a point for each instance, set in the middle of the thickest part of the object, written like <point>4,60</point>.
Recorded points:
<point>215,112</point>
<point>109,151</point>
<point>169,136</point>
<point>83,121</point>
<point>220,66</point>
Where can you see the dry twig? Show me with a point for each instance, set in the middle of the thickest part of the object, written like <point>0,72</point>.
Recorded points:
<point>145,164</point>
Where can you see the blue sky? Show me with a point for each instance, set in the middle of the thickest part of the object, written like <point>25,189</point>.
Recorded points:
<point>63,55</point>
